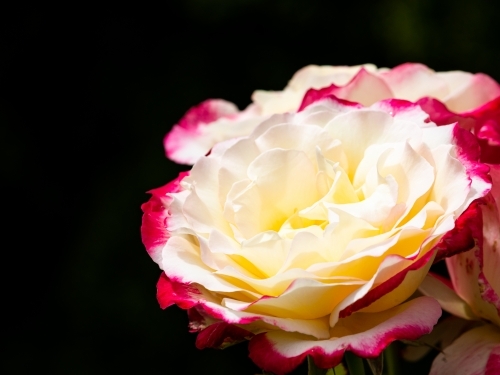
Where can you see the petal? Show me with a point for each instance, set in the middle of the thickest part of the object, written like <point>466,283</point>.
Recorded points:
<point>364,334</point>
<point>474,92</point>
<point>185,143</point>
<point>489,255</point>
<point>474,353</point>
<point>220,335</point>
<point>171,290</point>
<point>413,81</point>
<point>432,286</point>
<point>364,88</point>
<point>155,220</point>
<point>393,291</point>
<point>464,236</point>
<point>464,273</point>
<point>469,154</point>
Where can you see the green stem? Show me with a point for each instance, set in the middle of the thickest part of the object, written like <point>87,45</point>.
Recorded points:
<point>376,364</point>
<point>313,369</point>
<point>355,364</point>
<point>391,359</point>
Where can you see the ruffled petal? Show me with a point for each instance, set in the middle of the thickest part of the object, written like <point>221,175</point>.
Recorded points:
<point>155,221</point>
<point>364,334</point>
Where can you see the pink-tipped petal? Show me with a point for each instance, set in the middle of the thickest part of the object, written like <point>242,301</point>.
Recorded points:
<point>365,88</point>
<point>185,143</point>
<point>221,335</point>
<point>154,228</point>
<point>441,115</point>
<point>489,255</point>
<point>493,364</point>
<point>486,125</point>
<point>474,353</point>
<point>469,153</point>
<point>387,288</point>
<point>313,96</point>
<point>483,121</point>
<point>170,292</point>
<point>364,334</point>
<point>466,234</point>
<point>480,89</point>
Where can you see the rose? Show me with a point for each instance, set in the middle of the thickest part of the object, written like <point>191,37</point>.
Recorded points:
<point>474,294</point>
<point>308,235</point>
<point>470,99</point>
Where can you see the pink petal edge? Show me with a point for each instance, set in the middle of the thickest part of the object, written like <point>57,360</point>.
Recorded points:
<point>178,140</point>
<point>269,350</point>
<point>154,226</point>
<point>386,287</point>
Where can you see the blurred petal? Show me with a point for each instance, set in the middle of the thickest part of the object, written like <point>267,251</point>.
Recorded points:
<point>474,353</point>
<point>432,286</point>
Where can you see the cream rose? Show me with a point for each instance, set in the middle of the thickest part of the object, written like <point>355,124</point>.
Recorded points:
<point>308,235</point>
<point>447,96</point>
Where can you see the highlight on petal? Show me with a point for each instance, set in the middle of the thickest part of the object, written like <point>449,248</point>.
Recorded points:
<point>471,92</point>
<point>413,81</point>
<point>476,352</point>
<point>364,334</point>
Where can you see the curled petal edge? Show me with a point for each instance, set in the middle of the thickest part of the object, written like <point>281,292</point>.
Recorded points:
<point>154,227</point>
<point>281,352</point>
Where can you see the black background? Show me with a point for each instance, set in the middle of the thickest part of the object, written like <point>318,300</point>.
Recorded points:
<point>87,94</point>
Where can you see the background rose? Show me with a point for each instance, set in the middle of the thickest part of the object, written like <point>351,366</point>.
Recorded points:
<point>311,232</point>
<point>455,96</point>
<point>473,293</point>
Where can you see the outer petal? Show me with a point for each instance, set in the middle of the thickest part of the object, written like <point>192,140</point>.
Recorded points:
<point>412,81</point>
<point>477,90</point>
<point>394,290</point>
<point>489,255</point>
<point>469,154</point>
<point>365,334</point>
<point>221,335</point>
<point>484,121</point>
<point>155,219</point>
<point>204,125</point>
<point>434,286</point>
<point>465,236</point>
<point>365,88</point>
<point>476,352</point>
<point>187,296</point>
<point>487,129</point>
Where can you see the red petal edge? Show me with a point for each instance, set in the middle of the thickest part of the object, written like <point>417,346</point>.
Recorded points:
<point>189,125</point>
<point>466,235</point>
<point>264,354</point>
<point>171,292</point>
<point>493,364</point>
<point>154,226</point>
<point>384,288</point>
<point>221,335</point>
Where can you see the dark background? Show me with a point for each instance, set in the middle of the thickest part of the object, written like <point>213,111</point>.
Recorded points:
<point>87,94</point>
